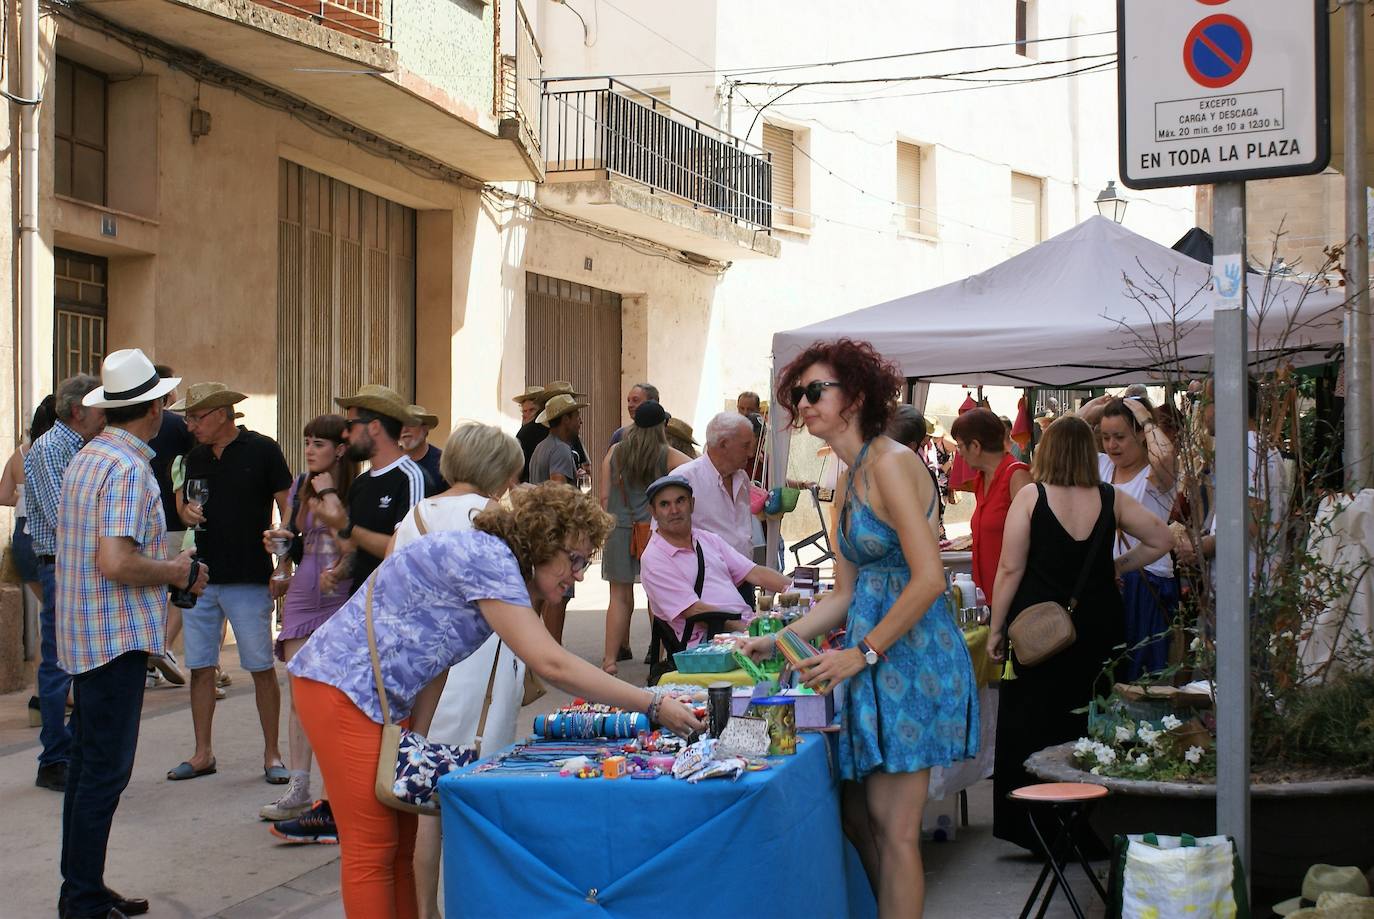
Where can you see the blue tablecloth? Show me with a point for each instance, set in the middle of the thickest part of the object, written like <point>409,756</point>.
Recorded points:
<point>768,844</point>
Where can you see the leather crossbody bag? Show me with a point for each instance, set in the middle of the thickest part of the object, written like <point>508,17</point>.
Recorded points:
<point>1042,630</point>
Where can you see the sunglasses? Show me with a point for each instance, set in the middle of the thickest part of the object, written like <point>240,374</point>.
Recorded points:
<point>812,391</point>
<point>579,561</point>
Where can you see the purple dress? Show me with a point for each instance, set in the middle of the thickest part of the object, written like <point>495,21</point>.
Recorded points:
<point>305,609</point>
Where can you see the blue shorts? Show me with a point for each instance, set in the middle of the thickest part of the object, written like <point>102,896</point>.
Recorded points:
<point>248,609</point>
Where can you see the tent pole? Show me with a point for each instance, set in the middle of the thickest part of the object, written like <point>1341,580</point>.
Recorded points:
<point>1232,570</point>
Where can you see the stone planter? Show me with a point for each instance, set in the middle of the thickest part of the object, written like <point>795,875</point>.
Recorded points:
<point>1292,825</point>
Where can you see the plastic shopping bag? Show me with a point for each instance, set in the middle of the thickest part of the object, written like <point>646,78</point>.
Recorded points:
<point>1166,876</point>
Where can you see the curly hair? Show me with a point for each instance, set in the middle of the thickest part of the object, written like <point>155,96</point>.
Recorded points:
<point>863,374</point>
<point>542,519</point>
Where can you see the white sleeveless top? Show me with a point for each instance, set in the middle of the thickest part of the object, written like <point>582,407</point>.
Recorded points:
<point>1152,499</point>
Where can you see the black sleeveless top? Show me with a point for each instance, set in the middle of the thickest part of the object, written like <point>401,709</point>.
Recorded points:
<point>1053,563</point>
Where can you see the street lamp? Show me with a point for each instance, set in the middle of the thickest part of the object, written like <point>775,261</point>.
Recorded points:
<point>1110,203</point>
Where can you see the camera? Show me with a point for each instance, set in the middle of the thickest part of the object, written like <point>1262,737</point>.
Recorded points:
<point>182,596</point>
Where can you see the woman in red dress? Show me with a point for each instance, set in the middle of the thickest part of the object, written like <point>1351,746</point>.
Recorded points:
<point>982,440</point>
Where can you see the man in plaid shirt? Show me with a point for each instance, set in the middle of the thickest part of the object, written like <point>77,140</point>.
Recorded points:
<point>43,469</point>
<point>112,581</point>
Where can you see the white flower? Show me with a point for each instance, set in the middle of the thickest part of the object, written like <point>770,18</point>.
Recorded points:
<point>1106,755</point>
<point>1170,722</point>
<point>1194,755</point>
<point>1195,644</point>
<point>1096,770</point>
<point>1148,734</point>
<point>1123,733</point>
<point>1084,746</point>
<point>1142,761</point>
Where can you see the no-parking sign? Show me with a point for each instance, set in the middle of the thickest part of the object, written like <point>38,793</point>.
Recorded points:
<point>1221,90</point>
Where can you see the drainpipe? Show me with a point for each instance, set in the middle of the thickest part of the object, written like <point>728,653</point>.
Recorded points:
<point>29,376</point>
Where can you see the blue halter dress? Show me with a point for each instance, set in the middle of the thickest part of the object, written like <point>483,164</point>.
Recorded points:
<point>917,707</point>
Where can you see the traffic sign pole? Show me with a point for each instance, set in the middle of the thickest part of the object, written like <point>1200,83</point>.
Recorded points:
<point>1358,408</point>
<point>1230,385</point>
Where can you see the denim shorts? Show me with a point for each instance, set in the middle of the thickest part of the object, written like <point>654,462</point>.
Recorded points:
<point>248,609</point>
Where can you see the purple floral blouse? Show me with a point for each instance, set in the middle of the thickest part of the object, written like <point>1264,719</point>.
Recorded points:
<point>424,613</point>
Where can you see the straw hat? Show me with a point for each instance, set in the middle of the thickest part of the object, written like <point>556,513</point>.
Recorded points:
<point>531,392</point>
<point>679,428</point>
<point>1337,906</point>
<point>427,418</point>
<point>559,406</point>
<point>383,400</point>
<point>127,377</point>
<point>1322,880</point>
<point>560,388</point>
<point>206,396</point>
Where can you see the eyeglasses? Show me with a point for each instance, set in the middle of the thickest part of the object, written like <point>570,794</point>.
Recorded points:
<point>199,417</point>
<point>812,391</point>
<point>348,423</point>
<point>579,561</point>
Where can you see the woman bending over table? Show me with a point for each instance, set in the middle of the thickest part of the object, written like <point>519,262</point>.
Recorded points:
<point>910,698</point>
<point>433,604</point>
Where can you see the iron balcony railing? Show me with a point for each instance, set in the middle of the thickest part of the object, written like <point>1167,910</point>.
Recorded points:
<point>366,19</point>
<point>520,76</point>
<point>596,123</point>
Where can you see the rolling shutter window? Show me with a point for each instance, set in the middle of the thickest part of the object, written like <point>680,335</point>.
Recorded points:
<point>778,142</point>
<point>1026,195</point>
<point>909,186</point>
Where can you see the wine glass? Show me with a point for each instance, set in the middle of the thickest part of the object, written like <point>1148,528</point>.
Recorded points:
<point>328,553</point>
<point>281,548</point>
<point>197,493</point>
<point>584,480</point>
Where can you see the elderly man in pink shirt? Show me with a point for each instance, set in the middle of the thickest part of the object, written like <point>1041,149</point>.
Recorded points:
<point>686,570</point>
<point>720,481</point>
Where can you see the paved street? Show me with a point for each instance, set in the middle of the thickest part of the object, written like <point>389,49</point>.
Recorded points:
<point>197,849</point>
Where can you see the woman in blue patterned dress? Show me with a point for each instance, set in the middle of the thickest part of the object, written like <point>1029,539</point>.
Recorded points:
<point>435,602</point>
<point>910,702</point>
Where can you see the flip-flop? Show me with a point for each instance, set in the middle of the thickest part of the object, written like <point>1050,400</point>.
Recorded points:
<point>276,775</point>
<point>186,771</point>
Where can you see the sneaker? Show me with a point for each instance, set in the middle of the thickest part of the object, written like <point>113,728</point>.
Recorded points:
<point>153,680</point>
<point>293,802</point>
<point>170,667</point>
<point>35,713</point>
<point>54,777</point>
<point>315,825</point>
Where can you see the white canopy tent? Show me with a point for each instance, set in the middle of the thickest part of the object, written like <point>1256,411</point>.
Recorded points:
<point>1089,307</point>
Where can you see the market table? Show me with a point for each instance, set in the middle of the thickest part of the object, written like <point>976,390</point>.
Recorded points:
<point>519,842</point>
<point>733,677</point>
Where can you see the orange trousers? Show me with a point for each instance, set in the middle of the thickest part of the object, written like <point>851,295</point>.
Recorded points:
<point>376,843</point>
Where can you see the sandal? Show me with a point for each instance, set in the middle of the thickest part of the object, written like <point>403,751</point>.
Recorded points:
<point>276,774</point>
<point>186,771</point>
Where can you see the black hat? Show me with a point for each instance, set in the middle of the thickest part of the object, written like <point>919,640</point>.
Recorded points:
<point>650,415</point>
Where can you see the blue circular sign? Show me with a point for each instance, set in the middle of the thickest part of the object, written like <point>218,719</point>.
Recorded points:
<point>1217,51</point>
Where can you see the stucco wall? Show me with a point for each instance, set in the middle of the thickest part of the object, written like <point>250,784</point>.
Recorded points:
<point>440,41</point>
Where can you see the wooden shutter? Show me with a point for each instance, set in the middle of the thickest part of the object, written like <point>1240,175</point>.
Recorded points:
<point>909,186</point>
<point>345,297</point>
<point>778,142</point>
<point>1026,196</point>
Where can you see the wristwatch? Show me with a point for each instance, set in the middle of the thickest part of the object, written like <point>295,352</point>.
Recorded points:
<point>346,532</point>
<point>870,656</point>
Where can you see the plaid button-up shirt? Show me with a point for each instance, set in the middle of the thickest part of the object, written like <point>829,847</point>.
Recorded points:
<point>109,490</point>
<point>43,469</point>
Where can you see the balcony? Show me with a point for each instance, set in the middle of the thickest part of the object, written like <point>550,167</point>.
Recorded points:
<point>433,83</point>
<point>366,19</point>
<point>654,171</point>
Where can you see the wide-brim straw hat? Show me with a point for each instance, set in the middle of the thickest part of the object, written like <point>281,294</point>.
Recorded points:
<point>207,396</point>
<point>1327,879</point>
<point>425,416</point>
<point>383,400</point>
<point>559,406</point>
<point>127,377</point>
<point>535,393</point>
<point>679,428</point>
<point>560,388</point>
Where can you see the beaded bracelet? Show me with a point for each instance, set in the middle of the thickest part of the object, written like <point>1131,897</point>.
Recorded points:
<point>652,710</point>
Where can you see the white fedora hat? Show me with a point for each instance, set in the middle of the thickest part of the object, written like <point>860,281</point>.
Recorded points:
<point>127,377</point>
